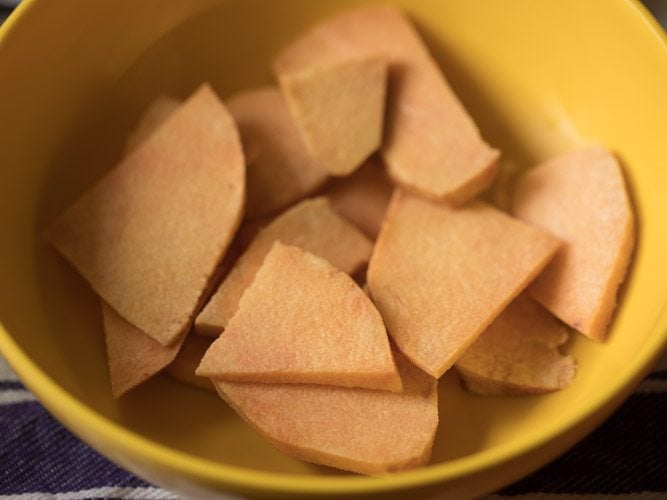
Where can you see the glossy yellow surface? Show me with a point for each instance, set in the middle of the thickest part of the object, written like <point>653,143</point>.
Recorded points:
<point>539,77</point>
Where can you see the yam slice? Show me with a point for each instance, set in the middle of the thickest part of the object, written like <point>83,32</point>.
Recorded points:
<point>339,107</point>
<point>149,234</point>
<point>183,367</point>
<point>311,225</point>
<point>518,353</point>
<point>280,170</point>
<point>303,321</point>
<point>580,197</point>
<point>358,430</point>
<point>133,356</point>
<point>439,276</point>
<point>431,145</point>
<point>154,116</point>
<point>363,197</point>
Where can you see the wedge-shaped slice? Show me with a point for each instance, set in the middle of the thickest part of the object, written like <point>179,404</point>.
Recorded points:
<point>359,430</point>
<point>311,225</point>
<point>362,198</point>
<point>518,353</point>
<point>339,107</point>
<point>154,116</point>
<point>183,367</point>
<point>133,356</point>
<point>439,276</point>
<point>303,321</point>
<point>280,170</point>
<point>581,198</point>
<point>431,144</point>
<point>150,233</point>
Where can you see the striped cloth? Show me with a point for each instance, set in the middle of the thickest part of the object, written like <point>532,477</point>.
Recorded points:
<point>625,458</point>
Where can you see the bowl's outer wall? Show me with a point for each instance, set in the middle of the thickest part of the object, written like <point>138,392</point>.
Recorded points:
<point>538,77</point>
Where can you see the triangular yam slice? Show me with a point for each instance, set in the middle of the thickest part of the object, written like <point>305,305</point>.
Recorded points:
<point>339,107</point>
<point>154,116</point>
<point>303,321</point>
<point>183,367</point>
<point>358,430</point>
<point>150,233</point>
<point>439,276</point>
<point>133,356</point>
<point>363,197</point>
<point>580,197</point>
<point>518,353</point>
<point>431,144</point>
<point>311,225</point>
<point>280,170</point>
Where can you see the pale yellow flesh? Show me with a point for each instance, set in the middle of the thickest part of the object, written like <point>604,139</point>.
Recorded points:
<point>363,197</point>
<point>183,366</point>
<point>311,225</point>
<point>439,276</point>
<point>155,115</point>
<point>431,145</point>
<point>339,108</point>
<point>280,170</point>
<point>518,353</point>
<point>302,321</point>
<point>580,197</point>
<point>150,234</point>
<point>369,432</point>
<point>133,356</point>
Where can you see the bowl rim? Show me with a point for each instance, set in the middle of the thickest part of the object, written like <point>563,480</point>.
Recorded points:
<point>68,408</point>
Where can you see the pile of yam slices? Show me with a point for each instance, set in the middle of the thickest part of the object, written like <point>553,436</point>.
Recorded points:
<point>229,247</point>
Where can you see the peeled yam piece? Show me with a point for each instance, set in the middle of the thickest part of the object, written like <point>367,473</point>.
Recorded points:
<point>518,353</point>
<point>339,107</point>
<point>363,197</point>
<point>133,356</point>
<point>183,367</point>
<point>149,234</point>
<point>303,321</point>
<point>431,145</point>
<point>359,430</point>
<point>311,225</point>
<point>280,170</point>
<point>154,116</point>
<point>248,230</point>
<point>581,198</point>
<point>439,276</point>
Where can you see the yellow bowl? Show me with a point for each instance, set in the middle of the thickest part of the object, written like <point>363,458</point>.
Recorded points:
<point>539,77</point>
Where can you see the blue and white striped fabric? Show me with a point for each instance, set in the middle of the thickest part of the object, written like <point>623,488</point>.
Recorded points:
<point>40,459</point>
<point>625,458</point>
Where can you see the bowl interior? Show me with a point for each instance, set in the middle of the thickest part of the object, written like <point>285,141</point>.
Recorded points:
<point>538,77</point>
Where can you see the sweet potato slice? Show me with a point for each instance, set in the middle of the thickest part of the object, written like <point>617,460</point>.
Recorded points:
<point>311,225</point>
<point>280,170</point>
<point>518,353</point>
<point>149,234</point>
<point>339,107</point>
<point>439,276</point>
<point>359,430</point>
<point>303,321</point>
<point>363,197</point>
<point>431,144</point>
<point>133,356</point>
<point>581,198</point>
<point>183,367</point>
<point>154,116</point>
